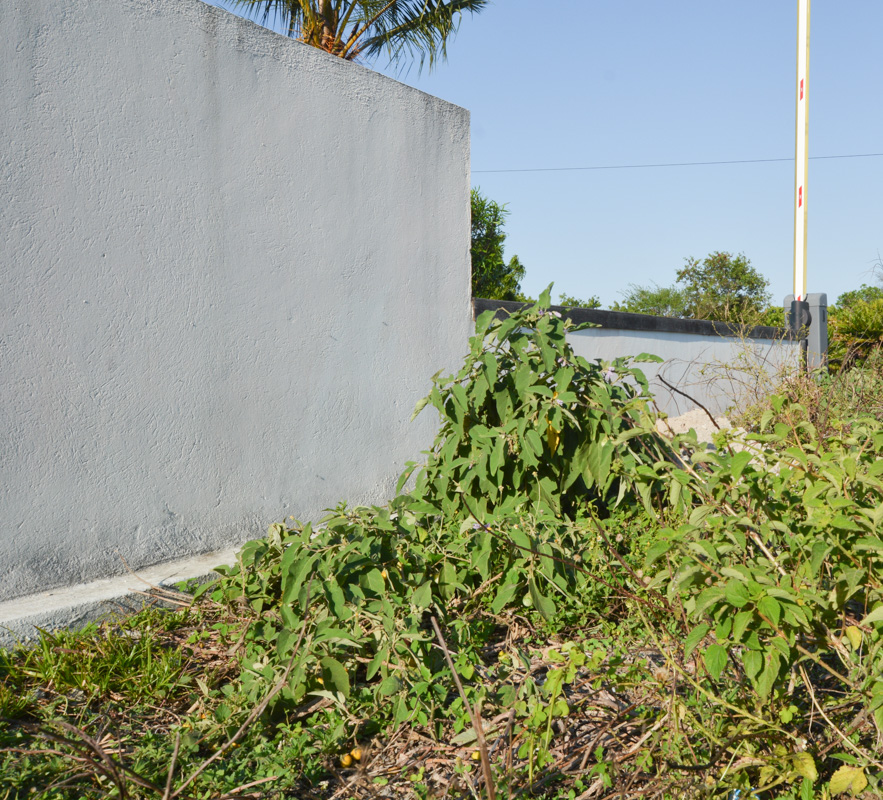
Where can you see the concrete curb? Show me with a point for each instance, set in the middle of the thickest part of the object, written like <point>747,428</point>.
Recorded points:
<point>76,606</point>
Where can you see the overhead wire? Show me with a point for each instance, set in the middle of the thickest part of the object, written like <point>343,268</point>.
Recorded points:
<point>672,164</point>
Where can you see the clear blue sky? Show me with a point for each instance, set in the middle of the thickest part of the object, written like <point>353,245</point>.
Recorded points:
<point>589,83</point>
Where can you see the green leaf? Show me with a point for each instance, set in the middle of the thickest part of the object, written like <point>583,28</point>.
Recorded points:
<point>752,660</point>
<point>875,616</point>
<point>736,593</point>
<point>848,779</point>
<point>295,574</point>
<point>806,790</point>
<point>820,552</point>
<point>738,463</point>
<point>770,672</point>
<point>805,766</point>
<point>656,551</point>
<point>422,597</point>
<point>694,637</point>
<point>374,582</point>
<point>740,623</point>
<point>376,663</point>
<point>421,404</point>
<point>504,596</point>
<point>854,635</point>
<point>541,603</point>
<point>647,358</point>
<point>715,660</point>
<point>599,459</point>
<point>389,686</point>
<point>498,455</point>
<point>534,441</point>
<point>770,608</point>
<point>334,676</point>
<point>336,599</point>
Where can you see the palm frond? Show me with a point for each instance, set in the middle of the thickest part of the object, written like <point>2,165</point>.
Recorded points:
<point>402,28</point>
<point>418,29</point>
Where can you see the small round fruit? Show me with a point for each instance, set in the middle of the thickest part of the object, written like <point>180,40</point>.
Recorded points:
<point>346,760</point>
<point>476,756</point>
<point>356,753</point>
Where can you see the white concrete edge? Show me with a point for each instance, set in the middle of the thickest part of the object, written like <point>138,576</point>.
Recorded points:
<point>76,606</point>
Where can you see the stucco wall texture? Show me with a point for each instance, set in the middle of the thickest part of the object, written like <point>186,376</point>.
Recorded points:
<point>718,372</point>
<point>230,264</point>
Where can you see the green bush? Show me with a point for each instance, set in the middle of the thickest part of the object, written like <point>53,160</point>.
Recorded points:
<point>855,332</point>
<point>778,571</point>
<point>534,441</point>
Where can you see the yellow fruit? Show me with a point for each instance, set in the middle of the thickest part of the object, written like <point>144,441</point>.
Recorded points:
<point>476,756</point>
<point>553,436</point>
<point>384,574</point>
<point>356,753</point>
<point>346,760</point>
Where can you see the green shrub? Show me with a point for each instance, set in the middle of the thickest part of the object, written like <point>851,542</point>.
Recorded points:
<point>778,571</point>
<point>534,441</point>
<point>527,425</point>
<point>855,332</point>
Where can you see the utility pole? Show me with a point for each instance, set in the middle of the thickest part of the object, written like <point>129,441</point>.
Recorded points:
<point>801,154</point>
<point>800,317</point>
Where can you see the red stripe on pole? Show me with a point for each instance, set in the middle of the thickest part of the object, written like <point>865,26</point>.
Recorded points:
<point>801,88</point>
<point>800,197</point>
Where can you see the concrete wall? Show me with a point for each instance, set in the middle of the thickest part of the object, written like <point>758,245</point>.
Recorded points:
<point>716,372</point>
<point>716,364</point>
<point>230,264</point>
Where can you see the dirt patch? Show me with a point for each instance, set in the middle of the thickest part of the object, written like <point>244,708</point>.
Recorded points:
<point>698,420</point>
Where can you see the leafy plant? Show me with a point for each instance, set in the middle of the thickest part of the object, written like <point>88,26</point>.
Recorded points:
<point>527,425</point>
<point>564,602</point>
<point>778,570</point>
<point>855,332</point>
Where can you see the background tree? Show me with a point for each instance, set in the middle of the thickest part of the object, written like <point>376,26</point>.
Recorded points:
<point>362,29</point>
<point>576,302</point>
<point>864,294</point>
<point>492,277</point>
<point>661,301</point>
<point>855,327</point>
<point>721,287</point>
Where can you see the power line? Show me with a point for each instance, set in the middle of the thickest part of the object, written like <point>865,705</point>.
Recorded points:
<point>675,164</point>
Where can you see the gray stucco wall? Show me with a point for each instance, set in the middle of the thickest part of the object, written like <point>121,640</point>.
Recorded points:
<point>715,364</point>
<point>719,372</point>
<point>230,264</point>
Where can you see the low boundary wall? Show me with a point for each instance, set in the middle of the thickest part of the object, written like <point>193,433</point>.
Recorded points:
<point>715,364</point>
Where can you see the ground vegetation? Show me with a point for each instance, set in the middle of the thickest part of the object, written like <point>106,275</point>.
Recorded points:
<point>564,604</point>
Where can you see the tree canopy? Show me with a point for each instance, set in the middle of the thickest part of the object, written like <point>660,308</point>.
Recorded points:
<point>492,277</point>
<point>362,29</point>
<point>578,302</point>
<point>720,287</point>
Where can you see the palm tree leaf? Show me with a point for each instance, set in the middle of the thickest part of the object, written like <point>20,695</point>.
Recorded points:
<point>418,28</point>
<point>413,28</point>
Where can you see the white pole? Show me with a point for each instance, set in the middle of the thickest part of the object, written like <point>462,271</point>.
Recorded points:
<point>800,153</point>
